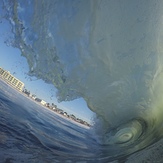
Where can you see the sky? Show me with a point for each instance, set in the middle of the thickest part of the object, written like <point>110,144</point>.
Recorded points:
<point>12,61</point>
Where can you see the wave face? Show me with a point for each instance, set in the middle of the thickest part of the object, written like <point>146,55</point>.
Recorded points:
<point>108,52</point>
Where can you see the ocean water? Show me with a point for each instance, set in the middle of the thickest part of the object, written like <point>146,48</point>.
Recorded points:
<point>32,133</point>
<point>107,52</point>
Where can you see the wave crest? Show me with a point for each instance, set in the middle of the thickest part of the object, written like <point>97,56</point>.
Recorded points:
<point>109,53</point>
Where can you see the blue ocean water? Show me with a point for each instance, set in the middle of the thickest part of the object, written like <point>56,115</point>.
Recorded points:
<point>109,53</point>
<point>32,133</point>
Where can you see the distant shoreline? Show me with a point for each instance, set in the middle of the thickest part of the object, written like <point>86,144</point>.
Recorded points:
<point>26,96</point>
<point>68,119</point>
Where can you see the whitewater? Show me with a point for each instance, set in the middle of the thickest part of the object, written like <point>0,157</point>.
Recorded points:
<point>108,52</point>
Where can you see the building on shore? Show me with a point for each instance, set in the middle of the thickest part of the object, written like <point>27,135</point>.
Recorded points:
<point>10,79</point>
<point>41,101</point>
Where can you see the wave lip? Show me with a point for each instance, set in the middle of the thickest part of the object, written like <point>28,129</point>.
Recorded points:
<point>111,56</point>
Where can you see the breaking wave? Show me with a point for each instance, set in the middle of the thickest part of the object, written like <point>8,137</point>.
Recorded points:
<point>107,52</point>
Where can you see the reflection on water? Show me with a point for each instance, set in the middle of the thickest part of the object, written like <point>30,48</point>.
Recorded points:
<point>110,54</point>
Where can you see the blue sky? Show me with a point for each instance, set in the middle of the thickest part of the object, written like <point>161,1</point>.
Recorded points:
<point>11,60</point>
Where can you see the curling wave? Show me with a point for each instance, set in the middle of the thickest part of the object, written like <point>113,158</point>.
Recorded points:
<point>108,52</point>
<point>127,133</point>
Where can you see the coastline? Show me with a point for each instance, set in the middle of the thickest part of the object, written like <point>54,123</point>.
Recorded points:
<point>56,113</point>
